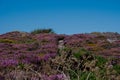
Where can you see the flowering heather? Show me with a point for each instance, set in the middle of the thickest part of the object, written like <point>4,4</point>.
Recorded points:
<point>8,62</point>
<point>49,56</point>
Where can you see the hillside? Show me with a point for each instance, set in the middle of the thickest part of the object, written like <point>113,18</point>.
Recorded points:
<point>50,56</point>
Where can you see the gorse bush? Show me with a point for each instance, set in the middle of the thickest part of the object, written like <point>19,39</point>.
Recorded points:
<point>37,31</point>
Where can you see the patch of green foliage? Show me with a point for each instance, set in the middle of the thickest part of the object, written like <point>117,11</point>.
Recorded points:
<point>21,65</point>
<point>82,75</point>
<point>73,75</point>
<point>7,41</point>
<point>100,61</point>
<point>81,52</point>
<point>27,41</point>
<point>117,68</point>
<point>87,76</point>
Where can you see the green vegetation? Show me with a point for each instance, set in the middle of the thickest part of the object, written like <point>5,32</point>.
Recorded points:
<point>38,31</point>
<point>81,52</point>
<point>100,61</point>
<point>117,68</point>
<point>7,41</point>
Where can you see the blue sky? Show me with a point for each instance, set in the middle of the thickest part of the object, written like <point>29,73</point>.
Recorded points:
<point>63,16</point>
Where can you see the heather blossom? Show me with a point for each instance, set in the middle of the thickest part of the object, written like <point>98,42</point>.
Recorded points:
<point>8,62</point>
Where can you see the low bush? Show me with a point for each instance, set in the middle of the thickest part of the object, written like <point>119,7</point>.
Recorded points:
<point>38,31</point>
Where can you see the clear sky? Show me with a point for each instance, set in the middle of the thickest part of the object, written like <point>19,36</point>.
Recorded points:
<point>63,16</point>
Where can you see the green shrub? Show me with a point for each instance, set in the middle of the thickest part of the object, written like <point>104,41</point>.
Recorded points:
<point>37,31</point>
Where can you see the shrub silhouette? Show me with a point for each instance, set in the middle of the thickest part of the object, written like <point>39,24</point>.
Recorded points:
<point>37,31</point>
